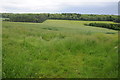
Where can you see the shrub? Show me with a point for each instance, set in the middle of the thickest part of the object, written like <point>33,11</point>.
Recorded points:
<point>28,18</point>
<point>104,25</point>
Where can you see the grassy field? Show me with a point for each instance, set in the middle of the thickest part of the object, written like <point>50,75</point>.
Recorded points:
<point>59,49</point>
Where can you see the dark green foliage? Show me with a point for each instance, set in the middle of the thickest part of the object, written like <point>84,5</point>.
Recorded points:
<point>117,19</point>
<point>28,18</point>
<point>85,17</point>
<point>65,16</point>
<point>37,18</point>
<point>6,15</point>
<point>62,16</point>
<point>105,25</point>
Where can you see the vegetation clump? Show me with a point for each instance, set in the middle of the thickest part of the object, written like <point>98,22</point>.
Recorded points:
<point>28,18</point>
<point>105,25</point>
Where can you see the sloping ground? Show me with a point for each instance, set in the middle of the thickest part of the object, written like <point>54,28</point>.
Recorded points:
<point>59,49</point>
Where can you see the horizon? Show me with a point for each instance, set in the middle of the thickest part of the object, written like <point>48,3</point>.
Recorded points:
<point>60,13</point>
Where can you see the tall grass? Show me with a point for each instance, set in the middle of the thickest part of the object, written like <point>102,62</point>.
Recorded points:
<point>58,49</point>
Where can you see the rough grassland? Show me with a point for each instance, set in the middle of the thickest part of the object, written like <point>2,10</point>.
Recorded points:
<point>59,49</point>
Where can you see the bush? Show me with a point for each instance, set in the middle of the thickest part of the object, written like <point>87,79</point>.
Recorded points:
<point>28,18</point>
<point>104,25</point>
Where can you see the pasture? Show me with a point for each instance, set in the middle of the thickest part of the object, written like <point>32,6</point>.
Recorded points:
<point>59,49</point>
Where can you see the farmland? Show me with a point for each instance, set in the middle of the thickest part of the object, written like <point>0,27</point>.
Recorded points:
<point>59,49</point>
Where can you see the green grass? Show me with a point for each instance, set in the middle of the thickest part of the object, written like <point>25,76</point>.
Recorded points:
<point>59,49</point>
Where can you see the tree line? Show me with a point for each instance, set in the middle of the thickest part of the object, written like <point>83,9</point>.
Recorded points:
<point>62,16</point>
<point>105,25</point>
<point>84,17</point>
<point>36,18</point>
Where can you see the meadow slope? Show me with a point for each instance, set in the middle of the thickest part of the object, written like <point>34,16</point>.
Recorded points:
<point>59,49</point>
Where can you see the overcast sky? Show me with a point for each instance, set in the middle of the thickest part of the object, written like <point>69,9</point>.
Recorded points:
<point>60,6</point>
